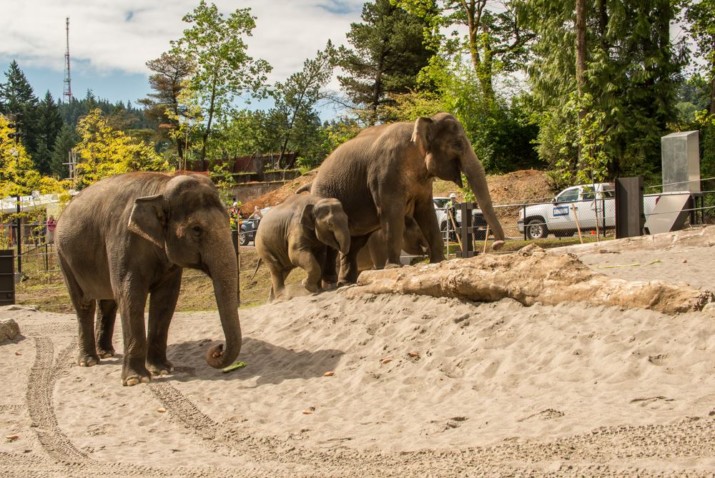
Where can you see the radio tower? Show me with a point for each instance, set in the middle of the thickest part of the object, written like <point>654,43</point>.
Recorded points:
<point>67,93</point>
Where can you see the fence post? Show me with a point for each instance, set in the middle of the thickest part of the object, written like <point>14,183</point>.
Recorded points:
<point>629,207</point>
<point>465,230</point>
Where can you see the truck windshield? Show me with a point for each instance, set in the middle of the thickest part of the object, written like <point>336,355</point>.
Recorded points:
<point>569,195</point>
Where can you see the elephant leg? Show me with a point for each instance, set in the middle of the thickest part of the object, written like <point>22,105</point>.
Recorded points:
<point>162,304</point>
<point>427,221</point>
<point>330,273</point>
<point>348,262</point>
<point>84,308</point>
<point>394,230</point>
<point>307,261</point>
<point>278,276</point>
<point>131,308</point>
<point>104,327</point>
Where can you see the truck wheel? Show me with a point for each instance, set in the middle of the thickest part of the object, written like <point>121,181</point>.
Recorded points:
<point>243,239</point>
<point>536,229</point>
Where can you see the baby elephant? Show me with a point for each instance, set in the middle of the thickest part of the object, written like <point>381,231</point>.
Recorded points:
<point>296,233</point>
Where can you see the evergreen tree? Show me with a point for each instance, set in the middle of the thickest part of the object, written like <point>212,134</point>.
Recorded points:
<point>66,140</point>
<point>18,102</point>
<point>388,51</point>
<point>628,93</point>
<point>170,77</point>
<point>49,125</point>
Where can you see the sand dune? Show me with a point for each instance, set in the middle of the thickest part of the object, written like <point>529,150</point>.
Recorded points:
<point>352,383</point>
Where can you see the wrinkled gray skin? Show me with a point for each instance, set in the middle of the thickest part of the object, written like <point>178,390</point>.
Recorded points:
<point>374,255</point>
<point>298,233</point>
<point>386,173</point>
<point>129,237</point>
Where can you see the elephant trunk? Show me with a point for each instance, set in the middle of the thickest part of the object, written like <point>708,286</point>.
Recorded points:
<point>474,171</point>
<point>222,267</point>
<point>343,238</point>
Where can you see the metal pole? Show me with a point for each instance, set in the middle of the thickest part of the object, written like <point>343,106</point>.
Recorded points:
<point>18,223</point>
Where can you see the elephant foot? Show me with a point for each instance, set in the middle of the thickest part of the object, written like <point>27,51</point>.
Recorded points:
<point>134,374</point>
<point>329,285</point>
<point>105,353</point>
<point>160,367</point>
<point>87,360</point>
<point>310,287</point>
<point>135,380</point>
<point>497,245</point>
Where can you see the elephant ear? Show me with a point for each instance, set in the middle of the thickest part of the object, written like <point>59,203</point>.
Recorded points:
<point>421,133</point>
<point>307,217</point>
<point>148,219</point>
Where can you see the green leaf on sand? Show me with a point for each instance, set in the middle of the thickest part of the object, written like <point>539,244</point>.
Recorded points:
<point>234,366</point>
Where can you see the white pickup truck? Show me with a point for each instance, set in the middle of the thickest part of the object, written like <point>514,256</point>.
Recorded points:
<point>588,207</point>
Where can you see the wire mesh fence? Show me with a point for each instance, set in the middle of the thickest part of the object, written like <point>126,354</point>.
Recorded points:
<point>588,219</point>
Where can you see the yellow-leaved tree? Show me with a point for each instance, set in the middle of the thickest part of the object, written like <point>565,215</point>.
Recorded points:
<point>105,151</point>
<point>17,174</point>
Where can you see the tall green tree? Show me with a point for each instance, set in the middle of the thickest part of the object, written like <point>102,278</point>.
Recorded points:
<point>627,95</point>
<point>105,151</point>
<point>492,33</point>
<point>295,101</point>
<point>700,15</point>
<point>49,125</point>
<point>18,102</point>
<point>66,140</point>
<point>216,46</point>
<point>388,51</point>
<point>170,77</point>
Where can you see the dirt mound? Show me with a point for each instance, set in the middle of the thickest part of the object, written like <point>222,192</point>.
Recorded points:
<point>279,195</point>
<point>525,186</point>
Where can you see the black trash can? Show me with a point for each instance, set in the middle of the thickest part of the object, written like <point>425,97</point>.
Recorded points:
<point>7,277</point>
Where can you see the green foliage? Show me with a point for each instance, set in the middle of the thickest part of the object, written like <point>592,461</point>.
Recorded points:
<point>104,151</point>
<point>628,93</point>
<point>17,173</point>
<point>295,101</point>
<point>216,46</point>
<point>493,36</point>
<point>170,77</point>
<point>501,133</point>
<point>701,17</point>
<point>388,51</point>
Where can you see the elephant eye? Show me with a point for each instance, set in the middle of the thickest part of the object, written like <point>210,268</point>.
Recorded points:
<point>197,230</point>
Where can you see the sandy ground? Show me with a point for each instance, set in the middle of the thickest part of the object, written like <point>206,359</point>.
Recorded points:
<point>343,384</point>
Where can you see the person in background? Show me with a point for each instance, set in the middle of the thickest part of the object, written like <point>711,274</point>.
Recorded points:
<point>256,213</point>
<point>51,225</point>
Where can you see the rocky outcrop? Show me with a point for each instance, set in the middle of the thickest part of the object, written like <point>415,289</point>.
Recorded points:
<point>9,330</point>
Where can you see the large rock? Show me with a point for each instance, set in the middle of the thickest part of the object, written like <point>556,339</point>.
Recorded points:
<point>530,276</point>
<point>8,330</point>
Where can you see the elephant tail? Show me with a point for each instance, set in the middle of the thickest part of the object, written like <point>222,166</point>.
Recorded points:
<point>258,264</point>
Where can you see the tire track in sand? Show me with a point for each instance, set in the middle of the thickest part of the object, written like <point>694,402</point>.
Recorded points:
<point>40,387</point>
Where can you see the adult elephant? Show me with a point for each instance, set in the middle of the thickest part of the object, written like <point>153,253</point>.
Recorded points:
<point>386,173</point>
<point>130,236</point>
<point>298,233</point>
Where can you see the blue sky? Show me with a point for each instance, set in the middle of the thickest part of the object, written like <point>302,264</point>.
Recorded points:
<point>111,40</point>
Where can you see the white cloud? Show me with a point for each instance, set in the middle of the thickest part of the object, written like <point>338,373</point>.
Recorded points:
<point>122,35</point>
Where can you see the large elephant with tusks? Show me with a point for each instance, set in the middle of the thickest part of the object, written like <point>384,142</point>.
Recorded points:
<point>385,174</point>
<point>127,238</point>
